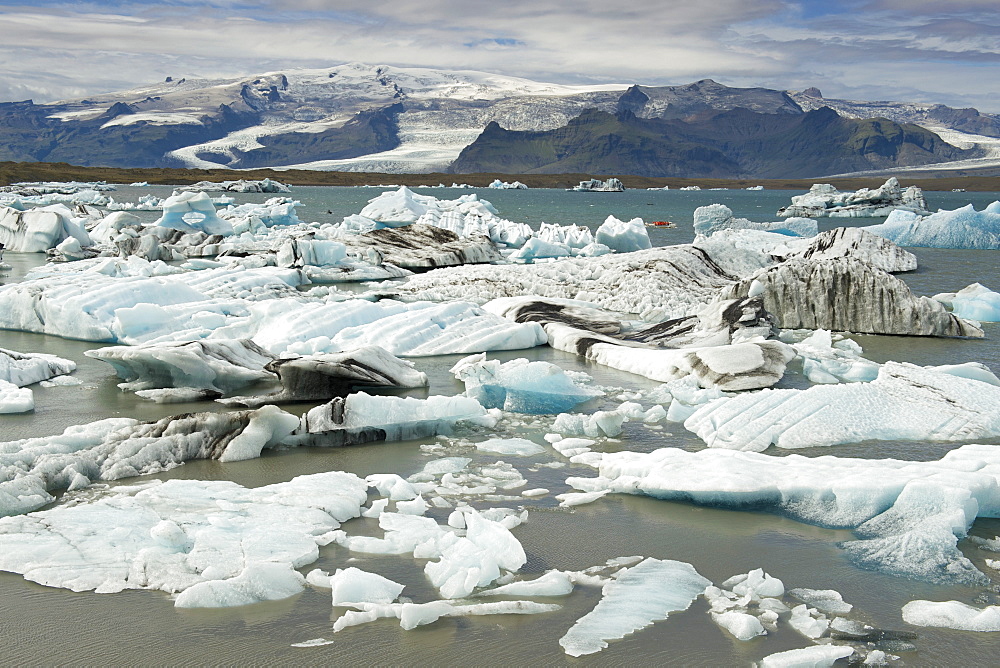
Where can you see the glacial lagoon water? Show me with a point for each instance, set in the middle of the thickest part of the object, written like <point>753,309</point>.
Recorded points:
<point>53,626</point>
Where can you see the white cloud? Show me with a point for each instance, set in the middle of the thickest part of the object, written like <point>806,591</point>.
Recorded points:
<point>67,50</point>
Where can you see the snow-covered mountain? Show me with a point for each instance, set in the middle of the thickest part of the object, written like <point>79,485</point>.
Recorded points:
<point>359,117</point>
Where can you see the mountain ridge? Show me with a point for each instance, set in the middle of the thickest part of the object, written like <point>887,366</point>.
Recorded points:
<point>358,117</point>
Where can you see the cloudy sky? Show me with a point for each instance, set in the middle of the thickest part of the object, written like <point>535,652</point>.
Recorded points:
<point>945,51</point>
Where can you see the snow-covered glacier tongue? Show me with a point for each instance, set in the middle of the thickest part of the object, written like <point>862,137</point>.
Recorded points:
<point>908,515</point>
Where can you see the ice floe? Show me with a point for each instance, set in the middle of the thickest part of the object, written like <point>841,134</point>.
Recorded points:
<point>909,516</point>
<point>215,543</point>
<point>639,596</point>
<point>825,200</point>
<point>818,656</point>
<point>905,402</point>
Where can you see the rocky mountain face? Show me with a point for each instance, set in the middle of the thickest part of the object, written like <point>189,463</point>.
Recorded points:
<point>729,144</point>
<point>361,117</point>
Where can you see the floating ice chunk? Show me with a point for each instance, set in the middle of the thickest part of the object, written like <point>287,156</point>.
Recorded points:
<point>757,584</point>
<point>521,386</point>
<point>324,376</point>
<point>353,585</point>
<point>535,248</point>
<point>824,600</point>
<point>971,370</point>
<point>241,544</point>
<point>819,656</point>
<point>396,208</point>
<point>570,499</point>
<point>824,361</point>
<point>61,381</point>
<point>26,368</point>
<point>740,625</point>
<point>952,615</point>
<point>531,493</point>
<point>639,596</point>
<point>260,581</point>
<point>266,427</point>
<point>552,583</point>
<point>361,417</point>
<point>37,230</point>
<point>974,302</point>
<point>959,228</point>
<point>905,402</point>
<point>510,446</point>
<point>715,217</point>
<point>220,364</point>
<point>808,622</point>
<point>192,212</point>
<point>623,237</point>
<point>14,399</point>
<point>601,423</point>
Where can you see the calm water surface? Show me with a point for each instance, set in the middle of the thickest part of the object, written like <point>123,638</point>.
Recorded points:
<point>52,626</point>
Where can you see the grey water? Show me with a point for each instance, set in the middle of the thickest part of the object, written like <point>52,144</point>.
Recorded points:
<point>54,626</point>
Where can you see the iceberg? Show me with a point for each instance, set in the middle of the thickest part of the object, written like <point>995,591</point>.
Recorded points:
<point>973,302</point>
<point>192,212</point>
<point>536,248</point>
<point>352,586</point>
<point>521,386</point>
<point>38,230</point>
<point>908,515</point>
<point>362,418</point>
<point>825,200</point>
<point>612,185</point>
<point>241,186</point>
<point>639,596</point>
<point>22,369</point>
<point>215,543</point>
<point>905,402</point>
<point>324,376</point>
<point>623,237</point>
<point>497,184</point>
<point>420,246</point>
<point>844,294</point>
<point>959,228</point>
<point>221,365</point>
<point>716,217</point>
<point>857,243</point>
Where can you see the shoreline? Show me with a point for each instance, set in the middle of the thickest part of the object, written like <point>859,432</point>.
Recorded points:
<point>14,172</point>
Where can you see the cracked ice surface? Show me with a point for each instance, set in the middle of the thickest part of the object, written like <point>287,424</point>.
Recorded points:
<point>219,542</point>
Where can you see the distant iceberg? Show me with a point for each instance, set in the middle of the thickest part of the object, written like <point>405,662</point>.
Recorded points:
<point>824,200</point>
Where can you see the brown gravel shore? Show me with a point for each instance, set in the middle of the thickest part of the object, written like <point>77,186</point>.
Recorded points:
<point>13,172</point>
